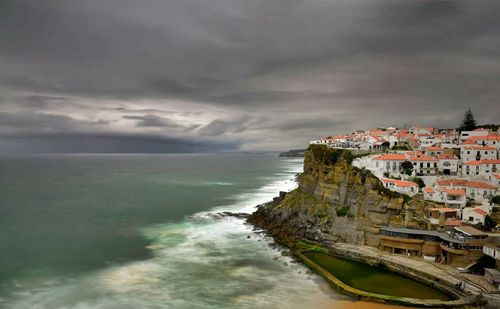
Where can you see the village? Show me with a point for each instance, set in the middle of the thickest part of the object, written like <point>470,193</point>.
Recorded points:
<point>458,169</point>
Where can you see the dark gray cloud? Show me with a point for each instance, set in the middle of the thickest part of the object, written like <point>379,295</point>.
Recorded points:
<point>105,143</point>
<point>152,121</point>
<point>250,71</point>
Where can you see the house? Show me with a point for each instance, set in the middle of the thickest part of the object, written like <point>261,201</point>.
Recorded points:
<point>429,194</point>
<point>488,140</point>
<point>476,190</point>
<point>434,151</point>
<point>424,165</point>
<point>420,130</point>
<point>477,152</point>
<point>389,163</point>
<point>485,167</point>
<point>438,216</point>
<point>404,187</point>
<point>474,215</point>
<point>447,165</point>
<point>465,135</point>
<point>480,191</point>
<point>452,197</point>
<point>455,198</point>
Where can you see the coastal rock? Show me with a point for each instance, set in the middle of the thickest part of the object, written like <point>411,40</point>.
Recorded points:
<point>337,202</point>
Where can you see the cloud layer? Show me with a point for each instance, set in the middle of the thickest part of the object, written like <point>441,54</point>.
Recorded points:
<point>241,74</point>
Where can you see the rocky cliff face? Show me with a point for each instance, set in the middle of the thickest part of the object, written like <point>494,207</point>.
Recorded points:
<point>336,202</point>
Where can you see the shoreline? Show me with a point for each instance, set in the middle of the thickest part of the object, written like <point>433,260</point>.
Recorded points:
<point>419,270</point>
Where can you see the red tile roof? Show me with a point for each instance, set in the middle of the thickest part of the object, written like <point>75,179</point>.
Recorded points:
<point>480,185</point>
<point>484,161</point>
<point>391,157</point>
<point>399,183</point>
<point>490,137</point>
<point>455,192</point>
<point>480,211</point>
<point>428,190</point>
<point>452,182</point>
<point>453,222</point>
<point>422,158</point>
<point>479,147</point>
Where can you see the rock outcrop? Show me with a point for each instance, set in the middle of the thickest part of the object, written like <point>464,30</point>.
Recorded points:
<point>337,202</point>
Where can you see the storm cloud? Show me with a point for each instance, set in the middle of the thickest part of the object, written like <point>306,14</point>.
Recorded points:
<point>241,74</point>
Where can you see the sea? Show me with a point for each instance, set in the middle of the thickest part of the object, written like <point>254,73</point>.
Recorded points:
<point>118,231</point>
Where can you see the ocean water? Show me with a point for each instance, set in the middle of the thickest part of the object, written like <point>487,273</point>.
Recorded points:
<point>137,231</point>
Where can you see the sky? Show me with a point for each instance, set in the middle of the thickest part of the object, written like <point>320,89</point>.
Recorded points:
<point>238,75</point>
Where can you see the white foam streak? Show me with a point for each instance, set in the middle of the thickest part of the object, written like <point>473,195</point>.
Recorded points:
<point>200,262</point>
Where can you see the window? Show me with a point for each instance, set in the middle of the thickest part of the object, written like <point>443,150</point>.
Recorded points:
<point>471,218</point>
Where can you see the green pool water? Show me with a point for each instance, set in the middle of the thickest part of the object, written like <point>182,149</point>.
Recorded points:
<point>374,279</point>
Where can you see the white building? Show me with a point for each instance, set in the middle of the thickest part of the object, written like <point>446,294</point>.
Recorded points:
<point>389,163</point>
<point>465,135</point>
<point>447,165</point>
<point>488,140</point>
<point>479,191</point>
<point>453,198</point>
<point>483,168</point>
<point>404,187</point>
<point>477,152</point>
<point>474,215</point>
<point>424,165</point>
<point>434,151</point>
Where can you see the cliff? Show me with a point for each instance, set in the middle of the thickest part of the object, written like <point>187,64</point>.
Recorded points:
<point>294,153</point>
<point>337,202</point>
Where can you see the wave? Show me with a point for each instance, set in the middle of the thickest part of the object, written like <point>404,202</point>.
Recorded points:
<point>199,262</point>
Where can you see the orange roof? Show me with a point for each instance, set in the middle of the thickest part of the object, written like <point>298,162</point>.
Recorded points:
<point>455,192</point>
<point>428,190</point>
<point>480,185</point>
<point>484,161</point>
<point>453,222</point>
<point>397,157</point>
<point>422,158</point>
<point>497,176</point>
<point>489,137</point>
<point>480,211</point>
<point>399,183</point>
<point>479,147</point>
<point>469,142</point>
<point>452,182</point>
<point>443,209</point>
<point>481,129</point>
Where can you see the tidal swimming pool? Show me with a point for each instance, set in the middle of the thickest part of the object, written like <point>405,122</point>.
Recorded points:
<point>374,279</point>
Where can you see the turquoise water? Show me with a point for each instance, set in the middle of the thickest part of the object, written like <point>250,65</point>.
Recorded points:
<point>373,279</point>
<point>135,231</point>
